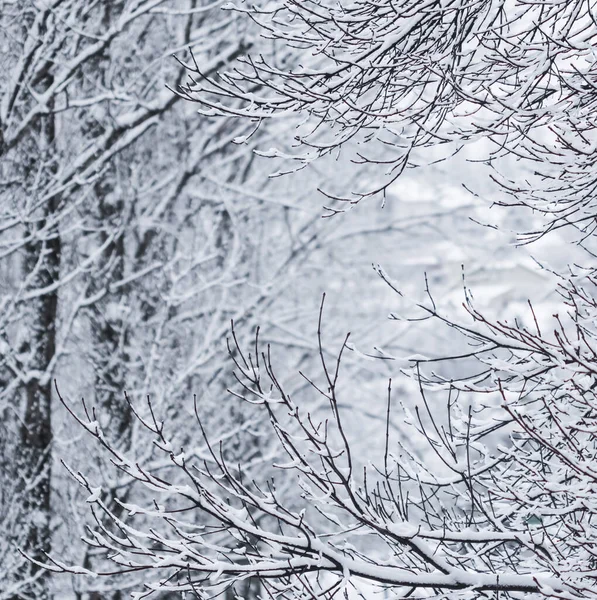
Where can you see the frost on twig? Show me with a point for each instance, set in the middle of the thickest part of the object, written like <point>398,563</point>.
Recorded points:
<point>479,518</point>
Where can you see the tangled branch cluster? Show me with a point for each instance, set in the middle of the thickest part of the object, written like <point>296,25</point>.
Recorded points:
<point>410,75</point>
<point>482,517</point>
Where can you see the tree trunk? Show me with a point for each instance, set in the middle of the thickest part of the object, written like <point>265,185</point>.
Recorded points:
<point>41,269</point>
<point>34,458</point>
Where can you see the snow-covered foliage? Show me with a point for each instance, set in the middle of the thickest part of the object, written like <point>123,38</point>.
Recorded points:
<point>501,502</point>
<point>405,76</point>
<point>134,230</point>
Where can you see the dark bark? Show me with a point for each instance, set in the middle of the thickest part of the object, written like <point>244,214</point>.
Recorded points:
<point>109,330</point>
<point>34,457</point>
<point>40,269</point>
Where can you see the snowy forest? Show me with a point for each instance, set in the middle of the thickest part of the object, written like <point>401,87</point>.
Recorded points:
<point>298,299</point>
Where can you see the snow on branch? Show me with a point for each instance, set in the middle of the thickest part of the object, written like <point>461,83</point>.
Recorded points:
<point>398,77</point>
<point>505,521</point>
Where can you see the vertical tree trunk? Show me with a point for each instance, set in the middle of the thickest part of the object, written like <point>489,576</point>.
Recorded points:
<point>109,335</point>
<point>41,269</point>
<point>34,461</point>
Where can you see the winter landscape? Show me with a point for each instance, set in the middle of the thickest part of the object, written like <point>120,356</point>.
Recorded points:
<point>298,299</point>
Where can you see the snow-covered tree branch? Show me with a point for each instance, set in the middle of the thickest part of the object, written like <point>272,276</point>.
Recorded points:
<point>400,78</point>
<point>470,516</point>
<point>133,230</point>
